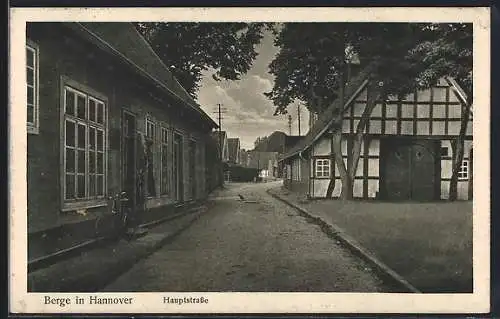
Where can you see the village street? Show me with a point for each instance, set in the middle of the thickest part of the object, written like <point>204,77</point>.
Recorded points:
<point>258,244</point>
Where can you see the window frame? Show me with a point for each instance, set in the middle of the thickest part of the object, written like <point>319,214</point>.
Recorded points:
<point>86,202</point>
<point>317,164</point>
<point>155,127</point>
<point>463,173</point>
<point>34,128</point>
<point>164,147</point>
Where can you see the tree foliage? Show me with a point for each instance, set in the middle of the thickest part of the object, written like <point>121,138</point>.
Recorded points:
<point>189,49</point>
<point>309,63</point>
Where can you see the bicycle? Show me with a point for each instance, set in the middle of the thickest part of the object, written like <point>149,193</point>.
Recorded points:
<point>120,212</point>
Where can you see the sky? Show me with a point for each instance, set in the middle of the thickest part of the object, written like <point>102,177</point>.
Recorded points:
<point>248,112</point>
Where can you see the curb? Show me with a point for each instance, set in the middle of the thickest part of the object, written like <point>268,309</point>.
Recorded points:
<point>335,231</point>
<point>95,281</point>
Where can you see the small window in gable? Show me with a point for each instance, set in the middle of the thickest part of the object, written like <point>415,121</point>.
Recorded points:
<point>32,107</point>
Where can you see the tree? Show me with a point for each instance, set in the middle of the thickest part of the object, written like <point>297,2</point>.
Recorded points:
<point>446,50</point>
<point>188,49</point>
<point>311,67</point>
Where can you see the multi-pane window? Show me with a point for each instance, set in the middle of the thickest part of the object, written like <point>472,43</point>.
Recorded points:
<point>463,173</point>
<point>84,145</point>
<point>164,161</point>
<point>150,151</point>
<point>32,88</point>
<point>322,168</point>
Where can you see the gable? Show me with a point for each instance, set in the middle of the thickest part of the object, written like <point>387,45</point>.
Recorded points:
<point>431,112</point>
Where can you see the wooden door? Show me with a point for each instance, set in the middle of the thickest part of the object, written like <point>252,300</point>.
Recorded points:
<point>410,169</point>
<point>397,174</point>
<point>423,170</point>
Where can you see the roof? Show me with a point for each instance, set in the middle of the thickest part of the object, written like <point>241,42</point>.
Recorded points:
<point>124,41</point>
<point>326,118</point>
<point>233,145</point>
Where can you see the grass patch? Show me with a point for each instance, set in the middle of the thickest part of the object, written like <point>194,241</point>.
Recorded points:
<point>429,244</point>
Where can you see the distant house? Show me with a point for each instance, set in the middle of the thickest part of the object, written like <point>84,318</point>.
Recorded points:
<point>102,108</point>
<point>406,150</point>
<point>234,150</point>
<point>221,138</point>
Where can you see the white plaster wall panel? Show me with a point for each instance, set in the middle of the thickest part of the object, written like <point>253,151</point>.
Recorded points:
<point>358,108</point>
<point>362,148</point>
<point>438,111</point>
<point>346,126</point>
<point>467,147</point>
<point>454,112</point>
<point>407,111</point>
<point>355,126</point>
<point>375,127</point>
<point>446,168</point>
<point>359,169</point>
<point>374,147</point>
<point>320,187</point>
<point>445,189</point>
<point>373,167</point>
<point>453,96</point>
<point>391,111</point>
<point>423,111</point>
<point>469,128</point>
<point>423,128</point>
<point>343,144</point>
<point>438,128</point>
<point>373,188</point>
<point>407,127</point>
<point>311,168</point>
<point>424,95</point>
<point>439,94</point>
<point>357,190</point>
<point>463,190</point>
<point>453,128</point>
<point>322,147</point>
<point>338,188</point>
<point>391,127</point>
<point>377,110</point>
<point>336,167</point>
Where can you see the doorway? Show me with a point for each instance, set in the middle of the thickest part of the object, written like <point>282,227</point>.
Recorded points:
<point>129,155</point>
<point>410,169</point>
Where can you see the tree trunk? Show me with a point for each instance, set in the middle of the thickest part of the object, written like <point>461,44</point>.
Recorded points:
<point>458,152</point>
<point>373,93</point>
<point>335,142</point>
<point>346,192</point>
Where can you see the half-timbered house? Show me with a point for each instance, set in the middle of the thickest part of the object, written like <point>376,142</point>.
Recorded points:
<point>406,153</point>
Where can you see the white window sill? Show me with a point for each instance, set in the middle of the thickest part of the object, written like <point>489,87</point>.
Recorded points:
<point>84,204</point>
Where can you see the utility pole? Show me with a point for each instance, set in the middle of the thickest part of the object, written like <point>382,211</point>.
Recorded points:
<point>290,124</point>
<point>298,116</point>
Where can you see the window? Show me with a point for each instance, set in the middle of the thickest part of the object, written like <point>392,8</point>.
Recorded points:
<point>32,88</point>
<point>444,151</point>
<point>322,168</point>
<point>463,173</point>
<point>150,163</point>
<point>84,146</point>
<point>164,162</point>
